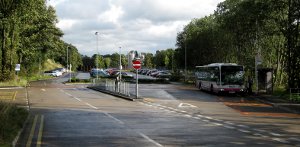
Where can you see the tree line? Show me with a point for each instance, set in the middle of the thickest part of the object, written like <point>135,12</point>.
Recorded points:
<point>239,30</point>
<point>28,36</point>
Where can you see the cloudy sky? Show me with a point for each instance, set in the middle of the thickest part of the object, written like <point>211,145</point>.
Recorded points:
<point>142,25</point>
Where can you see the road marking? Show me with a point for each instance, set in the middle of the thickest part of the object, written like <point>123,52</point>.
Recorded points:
<point>245,131</point>
<point>43,89</point>
<point>77,99</point>
<point>39,140</point>
<point>91,106</point>
<point>196,118</point>
<point>184,105</point>
<point>229,127</point>
<point>205,120</point>
<point>280,140</point>
<point>150,140</point>
<point>218,124</point>
<point>243,126</point>
<point>230,123</point>
<point>295,139</point>
<point>32,131</point>
<point>275,134</point>
<point>207,117</point>
<point>186,115</point>
<point>110,116</point>
<point>259,130</point>
<point>183,111</point>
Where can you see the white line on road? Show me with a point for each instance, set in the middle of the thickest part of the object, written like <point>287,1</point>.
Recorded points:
<point>91,106</point>
<point>186,115</point>
<point>243,126</point>
<point>294,139</point>
<point>77,99</point>
<point>110,116</point>
<point>182,105</point>
<point>150,140</point>
<point>244,131</point>
<point>275,134</point>
<point>229,127</point>
<point>280,140</point>
<point>218,124</point>
<point>43,89</point>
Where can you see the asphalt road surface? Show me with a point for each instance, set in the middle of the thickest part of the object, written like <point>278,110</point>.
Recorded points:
<point>170,115</point>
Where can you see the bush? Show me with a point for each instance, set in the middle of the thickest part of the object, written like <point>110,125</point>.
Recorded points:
<point>12,119</point>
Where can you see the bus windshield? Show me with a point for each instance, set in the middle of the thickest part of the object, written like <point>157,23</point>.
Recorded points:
<point>232,75</point>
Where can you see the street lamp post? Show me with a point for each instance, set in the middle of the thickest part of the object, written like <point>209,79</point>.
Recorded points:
<point>97,57</point>
<point>185,57</point>
<point>69,66</point>
<point>120,74</point>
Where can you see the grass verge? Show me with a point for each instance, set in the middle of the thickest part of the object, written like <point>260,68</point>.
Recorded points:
<point>12,120</point>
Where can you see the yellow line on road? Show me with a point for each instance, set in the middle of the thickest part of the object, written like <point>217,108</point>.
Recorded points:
<point>32,131</point>
<point>39,141</point>
<point>15,95</point>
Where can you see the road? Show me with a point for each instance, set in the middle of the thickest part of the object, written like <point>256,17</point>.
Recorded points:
<point>170,115</point>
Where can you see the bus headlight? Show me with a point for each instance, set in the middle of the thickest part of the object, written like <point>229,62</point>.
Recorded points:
<point>222,89</point>
<point>242,90</point>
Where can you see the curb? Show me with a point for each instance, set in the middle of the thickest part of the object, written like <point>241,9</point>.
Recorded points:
<point>280,106</point>
<point>116,94</point>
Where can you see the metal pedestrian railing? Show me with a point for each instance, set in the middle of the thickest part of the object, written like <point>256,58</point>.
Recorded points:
<point>119,87</point>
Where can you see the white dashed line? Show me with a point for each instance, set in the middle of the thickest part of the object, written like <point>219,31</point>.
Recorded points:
<point>294,139</point>
<point>207,117</point>
<point>275,134</point>
<point>183,111</point>
<point>230,123</point>
<point>91,106</point>
<point>205,120</point>
<point>259,130</point>
<point>243,126</point>
<point>77,99</point>
<point>280,140</point>
<point>229,127</point>
<point>150,140</point>
<point>186,115</point>
<point>244,131</point>
<point>218,124</point>
<point>110,116</point>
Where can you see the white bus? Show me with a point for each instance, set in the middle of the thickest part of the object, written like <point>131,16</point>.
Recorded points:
<point>220,77</point>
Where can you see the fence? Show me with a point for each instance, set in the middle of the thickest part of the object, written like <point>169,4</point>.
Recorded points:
<point>295,94</point>
<point>113,86</point>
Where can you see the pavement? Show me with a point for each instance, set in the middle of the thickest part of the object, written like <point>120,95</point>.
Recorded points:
<point>279,102</point>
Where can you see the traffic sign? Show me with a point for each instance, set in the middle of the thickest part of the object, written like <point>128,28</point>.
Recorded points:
<point>136,64</point>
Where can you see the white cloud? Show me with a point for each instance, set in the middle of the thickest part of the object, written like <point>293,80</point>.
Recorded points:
<point>143,25</point>
<point>112,15</point>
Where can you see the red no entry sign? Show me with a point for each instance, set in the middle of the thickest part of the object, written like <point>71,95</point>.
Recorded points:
<point>136,64</point>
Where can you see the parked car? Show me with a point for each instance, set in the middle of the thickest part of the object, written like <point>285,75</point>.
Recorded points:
<point>163,74</point>
<point>94,72</point>
<point>53,73</point>
<point>63,70</point>
<point>151,71</point>
<point>124,74</point>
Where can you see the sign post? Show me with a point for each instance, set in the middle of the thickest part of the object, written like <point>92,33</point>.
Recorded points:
<point>17,69</point>
<point>137,65</point>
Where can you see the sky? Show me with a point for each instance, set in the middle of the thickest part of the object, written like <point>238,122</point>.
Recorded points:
<point>125,25</point>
